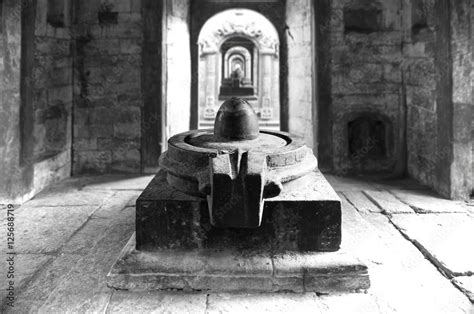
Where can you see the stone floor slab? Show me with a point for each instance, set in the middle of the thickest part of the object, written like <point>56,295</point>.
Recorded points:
<point>427,202</point>
<point>46,229</point>
<point>84,289</point>
<point>157,302</point>
<point>263,303</point>
<point>344,184</point>
<point>349,303</point>
<point>31,297</point>
<point>76,198</point>
<point>402,280</point>
<point>24,267</point>
<point>446,239</point>
<point>387,202</point>
<point>360,201</point>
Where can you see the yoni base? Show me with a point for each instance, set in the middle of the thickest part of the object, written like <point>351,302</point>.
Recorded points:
<point>230,270</point>
<point>295,248</point>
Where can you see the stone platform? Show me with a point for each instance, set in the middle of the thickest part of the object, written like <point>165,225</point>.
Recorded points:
<point>229,270</point>
<point>295,248</point>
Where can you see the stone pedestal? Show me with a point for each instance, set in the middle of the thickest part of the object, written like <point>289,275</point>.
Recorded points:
<point>176,247</point>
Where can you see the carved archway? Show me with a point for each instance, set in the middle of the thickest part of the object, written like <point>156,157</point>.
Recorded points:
<point>247,38</point>
<point>238,22</point>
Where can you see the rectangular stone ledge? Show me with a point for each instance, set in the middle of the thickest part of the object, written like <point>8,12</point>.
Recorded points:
<point>234,271</point>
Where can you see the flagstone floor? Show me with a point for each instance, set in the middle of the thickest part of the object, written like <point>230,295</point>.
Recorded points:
<point>418,247</point>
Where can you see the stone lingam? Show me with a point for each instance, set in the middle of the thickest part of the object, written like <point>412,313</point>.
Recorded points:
<point>238,209</point>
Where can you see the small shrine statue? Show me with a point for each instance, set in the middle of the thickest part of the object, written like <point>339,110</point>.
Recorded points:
<point>237,76</point>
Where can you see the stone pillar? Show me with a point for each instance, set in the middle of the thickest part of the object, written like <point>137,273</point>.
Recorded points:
<point>266,85</point>
<point>210,87</point>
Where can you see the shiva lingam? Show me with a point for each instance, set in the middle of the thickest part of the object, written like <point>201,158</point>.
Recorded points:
<point>238,209</point>
<point>235,166</point>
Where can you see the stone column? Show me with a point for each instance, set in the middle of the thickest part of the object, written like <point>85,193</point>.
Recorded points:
<point>210,98</point>
<point>266,85</point>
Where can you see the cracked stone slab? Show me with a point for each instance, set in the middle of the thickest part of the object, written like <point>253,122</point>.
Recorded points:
<point>428,202</point>
<point>230,270</point>
<point>388,203</point>
<point>360,201</point>
<point>466,285</point>
<point>446,239</point>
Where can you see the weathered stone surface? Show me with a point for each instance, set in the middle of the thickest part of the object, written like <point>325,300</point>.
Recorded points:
<point>263,303</point>
<point>466,285</point>
<point>428,202</point>
<point>343,184</point>
<point>45,281</point>
<point>86,238</point>
<point>24,268</point>
<point>232,270</point>
<point>361,202</point>
<point>34,232</point>
<point>388,203</point>
<point>157,302</point>
<point>443,238</point>
<point>74,198</point>
<point>401,277</point>
<point>89,293</point>
<point>350,303</point>
<point>298,219</point>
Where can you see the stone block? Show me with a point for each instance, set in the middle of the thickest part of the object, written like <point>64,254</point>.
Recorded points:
<point>421,97</point>
<point>91,161</point>
<point>118,144</point>
<point>421,73</point>
<point>102,46</point>
<point>99,115</point>
<point>127,130</point>
<point>128,114</point>
<point>62,93</point>
<point>365,73</point>
<point>130,46</point>
<point>306,218</point>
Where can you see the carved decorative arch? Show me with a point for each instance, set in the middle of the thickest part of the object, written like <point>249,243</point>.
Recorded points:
<point>238,22</point>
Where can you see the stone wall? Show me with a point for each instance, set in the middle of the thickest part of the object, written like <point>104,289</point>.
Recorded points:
<point>10,60</point>
<point>52,92</point>
<point>365,88</point>
<point>437,82</point>
<point>107,86</point>
<point>461,60</point>
<point>419,76</point>
<point>299,37</point>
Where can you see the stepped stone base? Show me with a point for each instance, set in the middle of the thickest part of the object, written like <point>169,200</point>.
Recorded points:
<point>229,270</point>
<point>296,248</point>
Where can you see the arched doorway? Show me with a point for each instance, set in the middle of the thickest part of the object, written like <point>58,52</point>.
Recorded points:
<point>238,55</point>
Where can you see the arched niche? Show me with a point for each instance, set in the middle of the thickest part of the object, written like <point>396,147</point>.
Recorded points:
<point>237,54</point>
<point>245,39</point>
